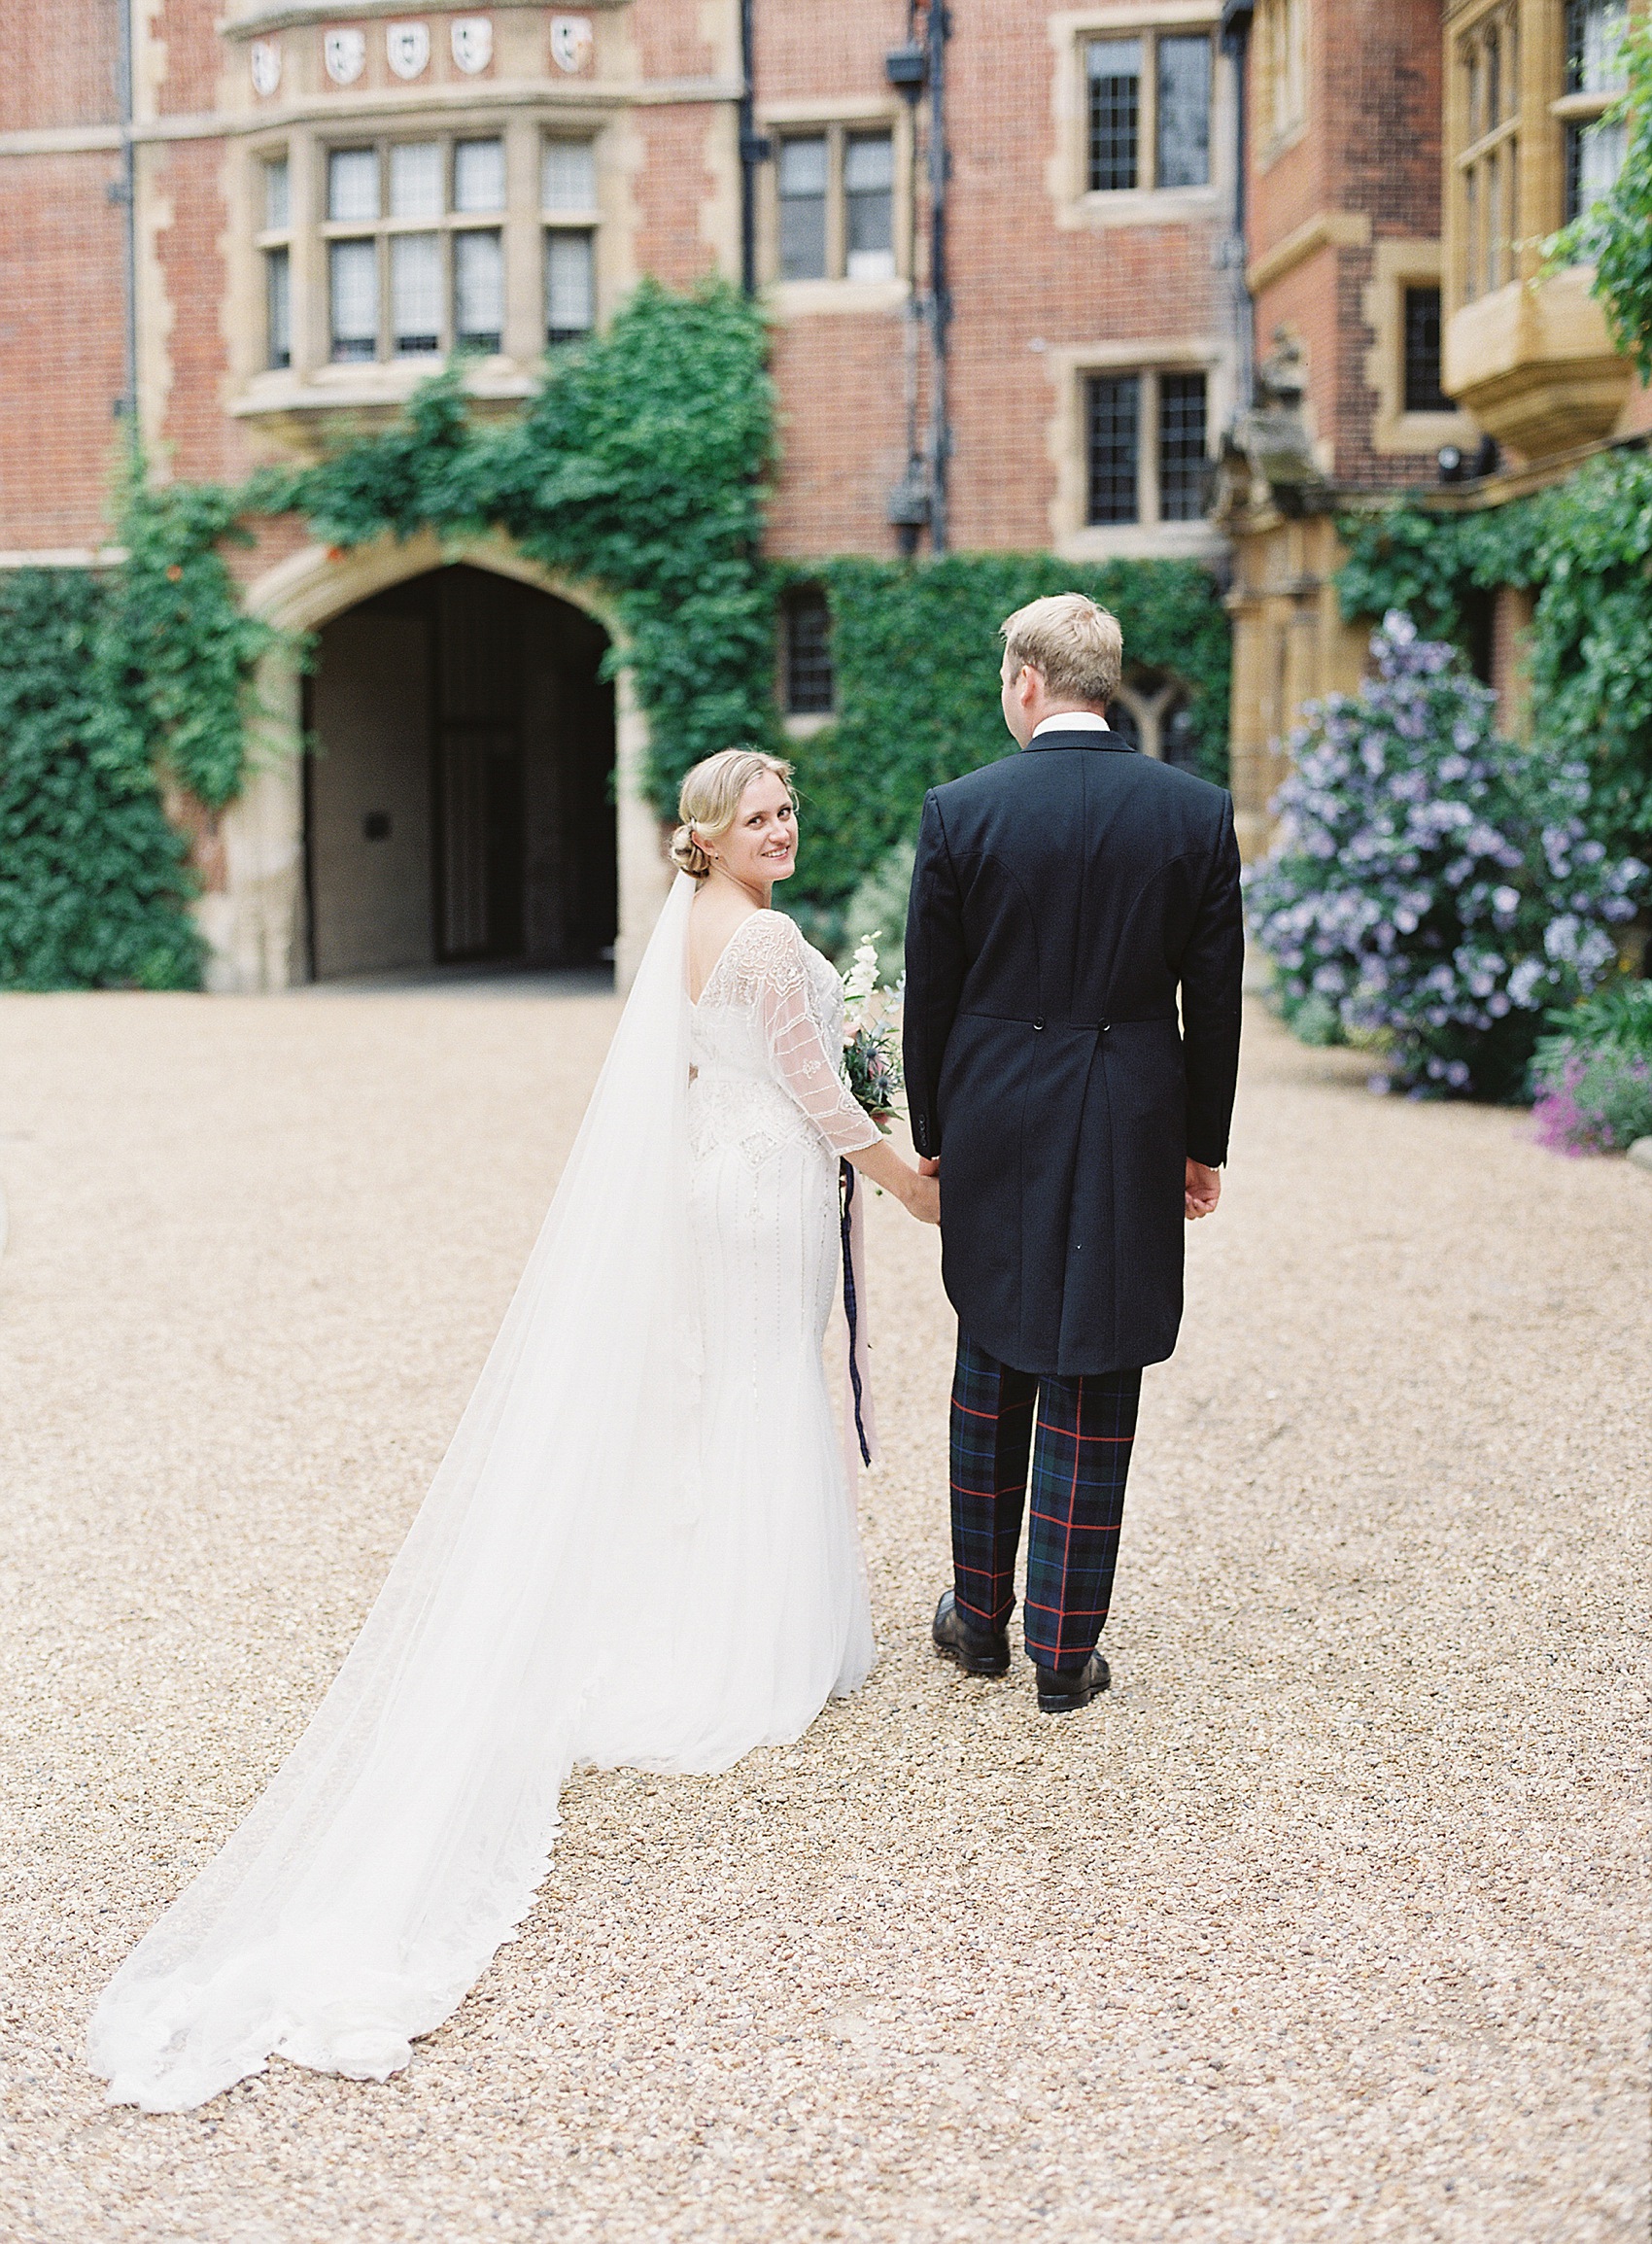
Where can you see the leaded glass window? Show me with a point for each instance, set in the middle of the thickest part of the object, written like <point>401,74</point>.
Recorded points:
<point>869,206</point>
<point>1182,460</point>
<point>1421,388</point>
<point>1184,110</point>
<point>808,680</point>
<point>1113,418</point>
<point>801,185</point>
<point>1114,73</point>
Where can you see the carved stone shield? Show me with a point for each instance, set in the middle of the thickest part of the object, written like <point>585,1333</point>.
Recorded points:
<point>344,53</point>
<point>572,43</point>
<point>266,66</point>
<point>407,47</point>
<point>472,42</point>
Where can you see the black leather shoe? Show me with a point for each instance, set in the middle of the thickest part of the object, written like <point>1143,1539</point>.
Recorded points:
<point>1064,1690</point>
<point>978,1652</point>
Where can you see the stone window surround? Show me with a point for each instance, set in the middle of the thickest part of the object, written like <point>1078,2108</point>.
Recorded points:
<point>1481,149</point>
<point>837,119</point>
<point>1067,367</point>
<point>1067,174</point>
<point>1396,266</point>
<point>1282,35</point>
<point>312,380</point>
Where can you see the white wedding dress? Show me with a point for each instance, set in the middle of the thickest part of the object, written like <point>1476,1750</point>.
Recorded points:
<point>640,1548</point>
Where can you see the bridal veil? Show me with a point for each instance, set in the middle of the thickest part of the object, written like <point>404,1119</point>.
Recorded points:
<point>402,1839</point>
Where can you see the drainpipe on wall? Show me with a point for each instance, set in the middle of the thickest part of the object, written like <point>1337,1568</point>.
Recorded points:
<point>1235,41</point>
<point>754,149</point>
<point>124,192</point>
<point>940,30</point>
<point>907,69</point>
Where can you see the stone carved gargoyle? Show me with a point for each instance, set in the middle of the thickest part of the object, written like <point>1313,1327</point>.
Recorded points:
<point>1268,451</point>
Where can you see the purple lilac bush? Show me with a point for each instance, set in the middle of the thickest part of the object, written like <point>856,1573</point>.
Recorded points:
<point>1434,887</point>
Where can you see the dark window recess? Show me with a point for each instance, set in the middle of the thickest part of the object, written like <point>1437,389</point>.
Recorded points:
<point>1423,392</point>
<point>1113,68</point>
<point>375,826</point>
<point>1122,718</point>
<point>1184,110</point>
<point>1181,456</point>
<point>1111,428</point>
<point>809,681</point>
<point>1573,160</point>
<point>1175,740</point>
<point>1476,614</point>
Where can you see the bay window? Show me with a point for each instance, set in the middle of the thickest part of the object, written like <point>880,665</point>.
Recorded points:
<point>1595,148</point>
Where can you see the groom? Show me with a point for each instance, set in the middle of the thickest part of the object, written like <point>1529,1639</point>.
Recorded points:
<point>1062,901</point>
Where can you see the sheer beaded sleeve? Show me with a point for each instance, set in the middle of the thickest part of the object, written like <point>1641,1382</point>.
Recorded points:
<point>773,975</point>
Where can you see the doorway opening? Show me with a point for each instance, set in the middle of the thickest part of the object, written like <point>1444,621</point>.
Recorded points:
<point>458,781</point>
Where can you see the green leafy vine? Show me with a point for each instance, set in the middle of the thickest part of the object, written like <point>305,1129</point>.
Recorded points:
<point>917,654</point>
<point>1582,546</point>
<point>638,466</point>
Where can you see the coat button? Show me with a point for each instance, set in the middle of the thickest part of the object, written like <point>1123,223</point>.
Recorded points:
<point>1105,1026</point>
<point>1038,1024</point>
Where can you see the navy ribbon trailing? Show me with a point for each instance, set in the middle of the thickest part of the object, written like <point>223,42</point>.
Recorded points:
<point>846,1194</point>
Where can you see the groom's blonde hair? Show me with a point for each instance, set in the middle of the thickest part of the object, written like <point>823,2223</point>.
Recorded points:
<point>709,800</point>
<point>1076,648</point>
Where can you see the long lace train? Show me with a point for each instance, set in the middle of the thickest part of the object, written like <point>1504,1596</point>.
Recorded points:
<point>609,1510</point>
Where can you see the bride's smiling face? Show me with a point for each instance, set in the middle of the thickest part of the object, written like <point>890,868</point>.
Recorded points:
<point>761,846</point>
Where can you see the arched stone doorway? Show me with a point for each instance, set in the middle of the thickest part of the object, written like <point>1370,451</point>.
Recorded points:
<point>255,916</point>
<point>459,799</point>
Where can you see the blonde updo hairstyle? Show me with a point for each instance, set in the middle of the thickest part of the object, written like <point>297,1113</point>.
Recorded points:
<point>709,802</point>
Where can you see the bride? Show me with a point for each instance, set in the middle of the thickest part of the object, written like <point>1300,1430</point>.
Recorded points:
<point>640,1548</point>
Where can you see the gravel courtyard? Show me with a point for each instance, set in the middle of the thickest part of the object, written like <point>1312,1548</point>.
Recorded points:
<point>1329,1922</point>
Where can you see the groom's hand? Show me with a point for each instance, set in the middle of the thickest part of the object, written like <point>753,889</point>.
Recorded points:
<point>1203,1189</point>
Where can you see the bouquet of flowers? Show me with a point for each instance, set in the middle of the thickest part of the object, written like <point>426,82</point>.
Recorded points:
<point>872,1034</point>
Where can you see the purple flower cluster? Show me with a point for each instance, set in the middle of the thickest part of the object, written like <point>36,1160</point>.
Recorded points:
<point>1432,884</point>
<point>1578,1114</point>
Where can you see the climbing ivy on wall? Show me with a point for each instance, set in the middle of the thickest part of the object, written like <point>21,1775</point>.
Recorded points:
<point>94,888</point>
<point>917,654</point>
<point>112,683</point>
<point>638,466</point>
<point>1582,545</point>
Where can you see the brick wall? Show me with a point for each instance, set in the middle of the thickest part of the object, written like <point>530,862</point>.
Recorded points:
<point>62,347</point>
<point>1370,151</point>
<point>61,64</point>
<point>1030,282</point>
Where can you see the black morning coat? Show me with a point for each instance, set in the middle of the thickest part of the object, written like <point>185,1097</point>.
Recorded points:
<point>1059,899</point>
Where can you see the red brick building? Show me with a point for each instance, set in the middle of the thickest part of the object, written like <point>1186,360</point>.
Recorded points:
<point>267,221</point>
<point>1405,164</point>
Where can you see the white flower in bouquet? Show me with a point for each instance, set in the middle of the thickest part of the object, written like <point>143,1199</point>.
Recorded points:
<point>872,1034</point>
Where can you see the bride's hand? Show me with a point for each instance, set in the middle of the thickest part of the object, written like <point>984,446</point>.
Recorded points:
<point>881,1165</point>
<point>923,1198</point>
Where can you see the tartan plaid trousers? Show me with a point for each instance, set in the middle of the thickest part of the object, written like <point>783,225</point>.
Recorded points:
<point>1080,1462</point>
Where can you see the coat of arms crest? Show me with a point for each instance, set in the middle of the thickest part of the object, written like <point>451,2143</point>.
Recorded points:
<point>572,41</point>
<point>407,47</point>
<point>472,42</point>
<point>266,66</point>
<point>344,53</point>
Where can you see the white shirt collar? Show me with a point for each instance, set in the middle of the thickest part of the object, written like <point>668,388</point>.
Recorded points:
<point>1073,721</point>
